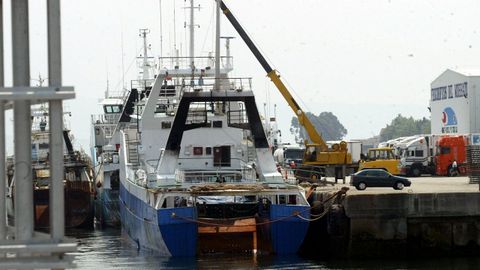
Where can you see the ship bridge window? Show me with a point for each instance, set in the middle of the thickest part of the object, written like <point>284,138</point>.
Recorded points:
<point>419,153</point>
<point>112,109</point>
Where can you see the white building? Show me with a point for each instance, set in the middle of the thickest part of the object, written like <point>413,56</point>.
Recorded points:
<point>455,102</point>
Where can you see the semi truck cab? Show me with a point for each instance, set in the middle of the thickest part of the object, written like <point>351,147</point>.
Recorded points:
<point>449,149</point>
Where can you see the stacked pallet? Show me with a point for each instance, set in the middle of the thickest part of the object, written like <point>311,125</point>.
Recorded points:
<point>473,163</point>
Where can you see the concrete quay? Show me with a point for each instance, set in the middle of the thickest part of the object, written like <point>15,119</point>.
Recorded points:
<point>435,216</point>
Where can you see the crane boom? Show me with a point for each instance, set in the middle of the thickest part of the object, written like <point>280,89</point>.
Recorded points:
<point>272,74</point>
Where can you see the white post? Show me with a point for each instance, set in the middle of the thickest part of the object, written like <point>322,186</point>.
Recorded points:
<point>145,66</point>
<point>24,222</point>
<point>227,47</point>
<point>192,36</point>
<point>3,182</point>
<point>3,215</point>
<point>161,28</point>
<point>57,199</point>
<point>217,49</point>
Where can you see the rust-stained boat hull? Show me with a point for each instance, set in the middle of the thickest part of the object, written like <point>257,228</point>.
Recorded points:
<point>78,206</point>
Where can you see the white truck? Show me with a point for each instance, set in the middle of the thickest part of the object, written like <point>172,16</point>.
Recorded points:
<point>353,147</point>
<point>285,154</point>
<point>417,155</point>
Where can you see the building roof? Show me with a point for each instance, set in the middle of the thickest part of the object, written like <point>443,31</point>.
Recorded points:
<point>467,71</point>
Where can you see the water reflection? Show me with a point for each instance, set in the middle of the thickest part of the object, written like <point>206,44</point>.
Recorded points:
<point>108,249</point>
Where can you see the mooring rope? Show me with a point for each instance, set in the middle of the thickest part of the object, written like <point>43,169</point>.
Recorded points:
<point>294,214</point>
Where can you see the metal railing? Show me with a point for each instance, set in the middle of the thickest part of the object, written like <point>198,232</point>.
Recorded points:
<point>225,84</point>
<point>245,175</point>
<point>205,62</point>
<point>141,84</point>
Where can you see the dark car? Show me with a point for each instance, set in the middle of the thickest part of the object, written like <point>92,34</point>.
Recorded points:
<point>377,178</point>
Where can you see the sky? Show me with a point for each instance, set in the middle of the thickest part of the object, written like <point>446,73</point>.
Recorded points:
<point>364,61</point>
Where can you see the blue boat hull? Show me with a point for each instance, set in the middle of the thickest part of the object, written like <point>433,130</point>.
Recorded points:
<point>174,232</point>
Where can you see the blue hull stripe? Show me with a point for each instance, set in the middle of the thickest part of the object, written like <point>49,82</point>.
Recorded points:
<point>288,234</point>
<point>155,229</point>
<point>179,235</point>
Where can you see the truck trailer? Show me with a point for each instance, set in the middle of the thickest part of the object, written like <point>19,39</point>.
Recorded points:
<point>433,154</point>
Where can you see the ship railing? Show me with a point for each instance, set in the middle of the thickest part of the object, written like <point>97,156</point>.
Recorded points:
<point>142,84</point>
<point>194,117</point>
<point>103,119</point>
<point>150,61</point>
<point>41,158</point>
<point>204,63</point>
<point>214,176</point>
<point>237,84</point>
<point>109,156</point>
<point>237,118</point>
<point>151,164</point>
<point>116,94</point>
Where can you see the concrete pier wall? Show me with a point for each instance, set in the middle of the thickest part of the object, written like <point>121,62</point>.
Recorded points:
<point>413,224</point>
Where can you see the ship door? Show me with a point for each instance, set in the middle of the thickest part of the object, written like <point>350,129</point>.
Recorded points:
<point>221,156</point>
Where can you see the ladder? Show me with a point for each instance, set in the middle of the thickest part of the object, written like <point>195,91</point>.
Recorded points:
<point>132,149</point>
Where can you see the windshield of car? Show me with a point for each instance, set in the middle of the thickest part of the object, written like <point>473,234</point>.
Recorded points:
<point>362,173</point>
<point>376,173</point>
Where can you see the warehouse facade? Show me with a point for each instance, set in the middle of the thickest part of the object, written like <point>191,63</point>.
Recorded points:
<point>455,102</point>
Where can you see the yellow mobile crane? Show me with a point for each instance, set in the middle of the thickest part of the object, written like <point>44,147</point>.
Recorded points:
<point>319,159</point>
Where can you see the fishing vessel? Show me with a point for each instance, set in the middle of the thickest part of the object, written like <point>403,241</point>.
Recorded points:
<point>196,171</point>
<point>106,161</point>
<point>117,108</point>
<point>78,185</point>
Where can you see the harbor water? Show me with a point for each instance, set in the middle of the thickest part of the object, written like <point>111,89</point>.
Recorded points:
<point>108,249</point>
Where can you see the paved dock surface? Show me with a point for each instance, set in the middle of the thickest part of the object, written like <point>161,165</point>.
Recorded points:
<point>426,184</point>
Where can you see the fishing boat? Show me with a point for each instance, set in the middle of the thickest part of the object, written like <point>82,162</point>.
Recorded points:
<point>105,140</point>
<point>196,172</point>
<point>78,185</point>
<point>106,161</point>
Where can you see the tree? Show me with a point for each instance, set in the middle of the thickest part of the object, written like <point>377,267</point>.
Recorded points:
<point>327,126</point>
<point>402,126</point>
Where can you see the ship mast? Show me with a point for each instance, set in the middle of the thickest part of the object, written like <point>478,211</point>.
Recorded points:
<point>217,49</point>
<point>228,63</point>
<point>192,36</point>
<point>145,65</point>
<point>161,27</point>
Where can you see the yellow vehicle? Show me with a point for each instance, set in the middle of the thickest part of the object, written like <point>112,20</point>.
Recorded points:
<point>381,158</point>
<point>323,160</point>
